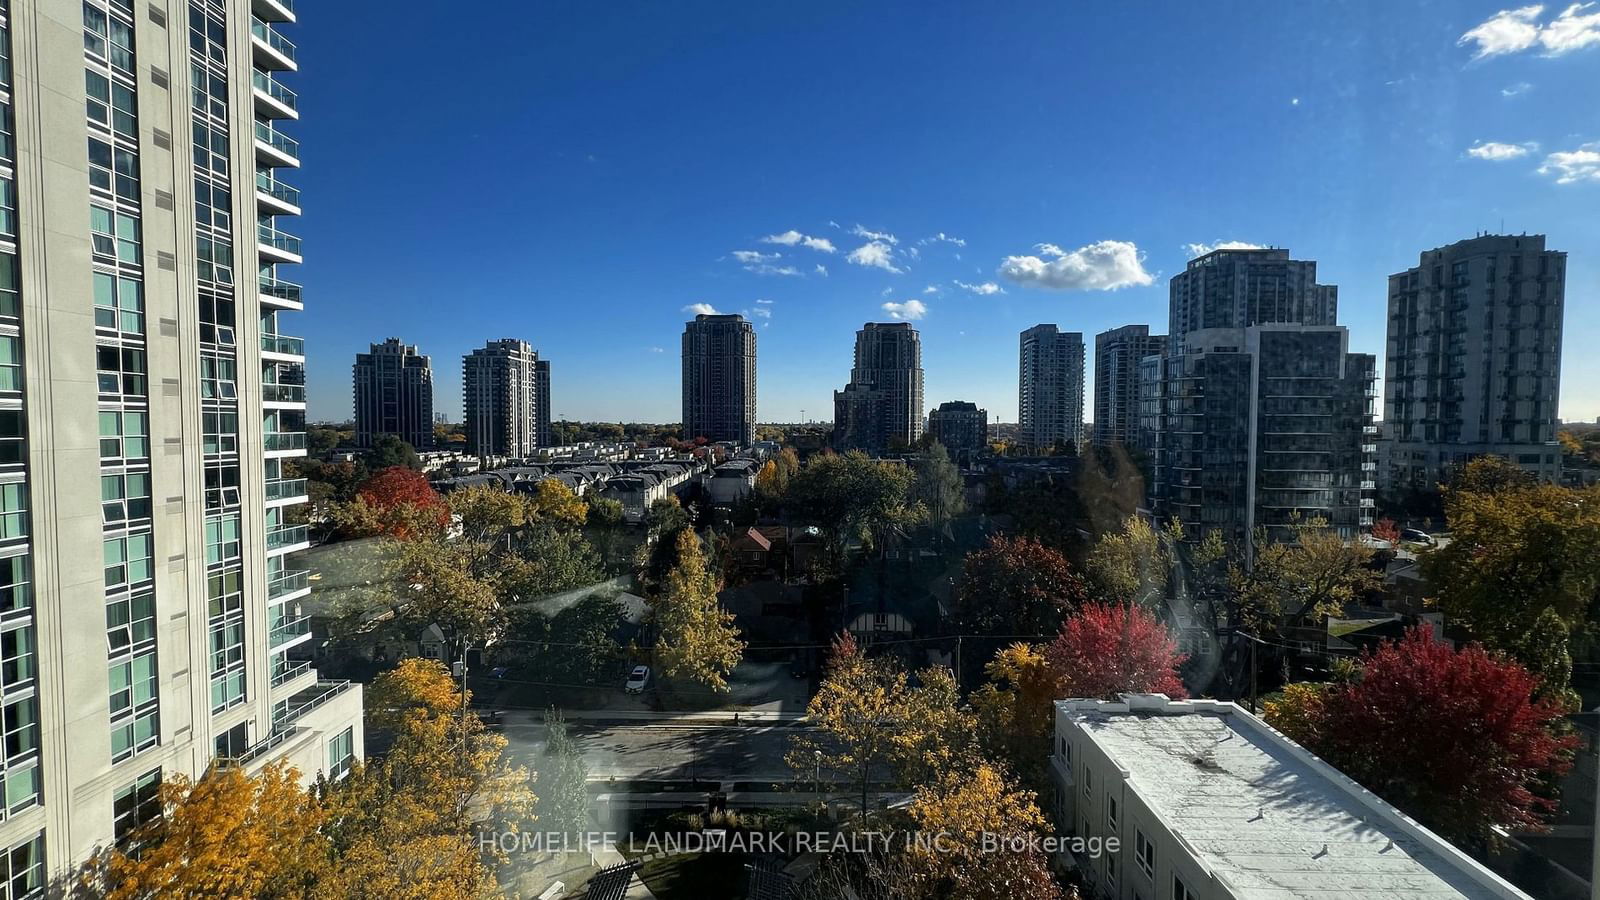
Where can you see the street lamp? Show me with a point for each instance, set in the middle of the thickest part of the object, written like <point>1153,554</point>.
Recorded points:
<point>816,776</point>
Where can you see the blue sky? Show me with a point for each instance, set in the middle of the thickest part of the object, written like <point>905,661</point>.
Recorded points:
<point>578,174</point>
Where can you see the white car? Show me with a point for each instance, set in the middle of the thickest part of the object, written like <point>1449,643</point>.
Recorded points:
<point>638,680</point>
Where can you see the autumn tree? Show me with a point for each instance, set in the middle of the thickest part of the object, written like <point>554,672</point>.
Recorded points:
<point>853,496</point>
<point>397,502</point>
<point>1315,575</point>
<point>226,835</point>
<point>1134,563</point>
<point>1014,709</point>
<point>970,810</point>
<point>1106,650</point>
<point>555,503</point>
<point>1455,738</point>
<point>937,486</point>
<point>1015,585</point>
<point>573,644</point>
<point>563,782</point>
<point>873,724</point>
<point>1386,530</point>
<point>695,637</point>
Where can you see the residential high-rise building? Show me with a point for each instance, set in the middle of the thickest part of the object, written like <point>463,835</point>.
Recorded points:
<point>1266,416</point>
<point>139,171</point>
<point>394,394</point>
<point>1117,356</point>
<point>719,379</point>
<point>1050,387</point>
<point>881,407</point>
<point>959,425</point>
<point>506,399</point>
<point>1474,359</point>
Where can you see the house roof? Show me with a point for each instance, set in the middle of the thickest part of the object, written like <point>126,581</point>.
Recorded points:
<point>1269,819</point>
<point>755,536</point>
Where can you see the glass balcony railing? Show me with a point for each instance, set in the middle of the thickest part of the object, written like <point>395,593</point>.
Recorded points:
<point>284,440</point>
<point>272,187</point>
<point>283,393</point>
<point>266,85</point>
<point>282,675</point>
<point>287,291</point>
<point>277,140</point>
<point>284,488</point>
<point>287,536</point>
<point>281,240</point>
<point>272,38</point>
<point>289,628</point>
<point>287,581</point>
<point>278,343</point>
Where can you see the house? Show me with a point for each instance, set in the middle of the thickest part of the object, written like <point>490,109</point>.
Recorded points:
<point>1204,801</point>
<point>732,482</point>
<point>762,548</point>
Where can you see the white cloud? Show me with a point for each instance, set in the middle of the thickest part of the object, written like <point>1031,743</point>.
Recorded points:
<point>914,253</point>
<point>767,302</point>
<point>1101,266</point>
<point>701,309</point>
<point>1573,166</point>
<point>822,270</point>
<point>1494,151</point>
<point>883,236</point>
<point>765,269</point>
<point>931,289</point>
<point>658,349</point>
<point>762,312</point>
<point>1507,31</point>
<point>832,224</point>
<point>984,289</point>
<point>1516,30</point>
<point>1203,249</point>
<point>791,237</point>
<point>752,257</point>
<point>942,238</point>
<point>1512,90</point>
<point>875,254</point>
<point>886,292</point>
<point>910,310</point>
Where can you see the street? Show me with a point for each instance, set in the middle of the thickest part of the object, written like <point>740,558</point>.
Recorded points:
<point>686,750</point>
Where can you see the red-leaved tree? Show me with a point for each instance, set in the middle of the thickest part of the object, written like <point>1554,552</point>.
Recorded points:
<point>1108,649</point>
<point>1386,530</point>
<point>400,501</point>
<point>1453,737</point>
<point>1015,585</point>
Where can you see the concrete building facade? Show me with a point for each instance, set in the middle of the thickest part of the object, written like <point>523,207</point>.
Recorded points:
<point>148,400</point>
<point>1474,360</point>
<point>881,407</point>
<point>1118,354</point>
<point>505,390</point>
<point>1266,421</point>
<point>1050,387</point>
<point>393,387</point>
<point>959,425</point>
<point>719,379</point>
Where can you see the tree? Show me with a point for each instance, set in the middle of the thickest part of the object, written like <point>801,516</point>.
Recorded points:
<point>1544,650</point>
<point>853,496</point>
<point>227,834</point>
<point>873,724</point>
<point>390,450</point>
<point>551,560</point>
<point>1518,548</point>
<point>937,485</point>
<point>1315,576</point>
<point>1106,650</point>
<point>576,644</point>
<point>666,517</point>
<point>563,805</point>
<point>1014,709</point>
<point>1015,585</point>
<point>1386,530</point>
<point>973,810</point>
<point>396,501</point>
<point>1134,563</point>
<point>1455,738</point>
<point>696,639</point>
<point>554,502</point>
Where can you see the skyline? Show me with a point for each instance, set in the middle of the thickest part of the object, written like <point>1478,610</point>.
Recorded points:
<point>1023,184</point>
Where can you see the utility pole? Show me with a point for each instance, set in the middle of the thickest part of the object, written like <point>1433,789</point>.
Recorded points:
<point>1253,643</point>
<point>958,662</point>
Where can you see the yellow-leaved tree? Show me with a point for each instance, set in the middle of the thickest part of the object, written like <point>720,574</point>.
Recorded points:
<point>696,639</point>
<point>1014,708</point>
<point>965,808</point>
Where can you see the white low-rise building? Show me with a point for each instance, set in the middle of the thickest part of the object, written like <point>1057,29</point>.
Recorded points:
<point>1207,802</point>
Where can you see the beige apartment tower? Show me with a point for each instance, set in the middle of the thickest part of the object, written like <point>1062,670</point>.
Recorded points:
<point>149,404</point>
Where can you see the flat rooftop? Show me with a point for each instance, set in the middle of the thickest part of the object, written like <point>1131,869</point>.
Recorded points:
<point>1269,819</point>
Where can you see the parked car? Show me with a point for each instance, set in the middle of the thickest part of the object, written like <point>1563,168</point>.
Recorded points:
<point>638,680</point>
<point>1416,536</point>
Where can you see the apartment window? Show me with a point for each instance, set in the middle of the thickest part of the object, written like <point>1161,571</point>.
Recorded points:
<point>121,370</point>
<point>1111,814</point>
<point>128,560</point>
<point>220,433</point>
<point>1180,892</point>
<point>1144,853</point>
<point>216,318</point>
<point>13,511</point>
<point>8,207</point>
<point>214,258</point>
<point>136,804</point>
<point>210,149</point>
<point>222,539</point>
<point>219,377</point>
<point>1087,779</point>
<point>8,144</point>
<point>17,657</point>
<point>10,363</point>
<point>134,708</point>
<point>21,775</point>
<point>119,303</point>
<point>212,206</point>
<point>10,302</point>
<point>16,587</point>
<point>114,235</point>
<point>1066,754</point>
<point>232,743</point>
<point>124,435</point>
<point>114,170</point>
<point>13,449</point>
<point>94,30</point>
<point>341,754</point>
<point>22,869</point>
<point>130,622</point>
<point>124,497</point>
<point>224,592</point>
<point>227,663</point>
<point>222,487</point>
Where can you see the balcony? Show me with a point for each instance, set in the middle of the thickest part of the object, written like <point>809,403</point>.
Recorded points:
<point>285,538</point>
<point>288,582</point>
<point>277,441</point>
<point>287,673</point>
<point>270,49</point>
<point>288,631</point>
<point>279,246</point>
<point>281,294</point>
<point>279,345</point>
<point>275,197</point>
<point>283,393</point>
<point>273,100</point>
<point>274,10</point>
<point>275,148</point>
<point>288,710</point>
<point>291,490</point>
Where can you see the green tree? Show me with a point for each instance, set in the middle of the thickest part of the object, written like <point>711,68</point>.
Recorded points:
<point>853,496</point>
<point>390,450</point>
<point>1316,575</point>
<point>695,638</point>
<point>937,485</point>
<point>1544,652</point>
<point>563,782</point>
<point>1134,564</point>
<point>575,644</point>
